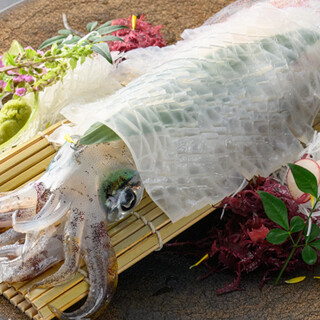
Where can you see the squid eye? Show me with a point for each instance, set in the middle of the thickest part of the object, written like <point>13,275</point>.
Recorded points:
<point>120,192</point>
<point>128,200</point>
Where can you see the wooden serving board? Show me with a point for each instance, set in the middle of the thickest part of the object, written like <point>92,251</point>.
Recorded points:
<point>131,238</point>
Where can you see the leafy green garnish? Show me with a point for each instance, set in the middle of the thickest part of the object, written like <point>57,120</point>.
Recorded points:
<point>98,133</point>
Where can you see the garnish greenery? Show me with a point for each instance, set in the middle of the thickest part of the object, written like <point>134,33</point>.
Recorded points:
<point>308,232</point>
<point>24,70</point>
<point>96,38</point>
<point>98,133</point>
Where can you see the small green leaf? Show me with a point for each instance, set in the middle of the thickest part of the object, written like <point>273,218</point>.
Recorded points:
<point>111,29</point>
<point>309,255</point>
<point>93,37</point>
<point>107,38</point>
<point>314,233</point>
<point>65,32</point>
<point>30,53</point>
<point>49,42</point>
<point>277,236</point>
<point>106,24</point>
<point>8,87</point>
<point>54,48</point>
<point>73,63</point>
<point>23,71</point>
<point>16,48</point>
<point>98,133</point>
<point>47,54</point>
<point>92,25</point>
<point>275,209</point>
<point>103,50</point>
<point>49,75</point>
<point>296,224</point>
<point>83,59</point>
<point>305,180</point>
<point>51,65</point>
<point>73,40</point>
<point>315,244</point>
<point>38,70</point>
<point>9,59</point>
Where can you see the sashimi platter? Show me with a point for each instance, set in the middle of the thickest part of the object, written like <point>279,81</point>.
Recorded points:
<point>95,175</point>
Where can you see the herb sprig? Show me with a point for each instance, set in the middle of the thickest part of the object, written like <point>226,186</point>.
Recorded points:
<point>96,38</point>
<point>25,70</point>
<point>307,231</point>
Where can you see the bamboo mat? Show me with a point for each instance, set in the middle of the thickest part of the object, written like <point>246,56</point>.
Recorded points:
<point>131,238</point>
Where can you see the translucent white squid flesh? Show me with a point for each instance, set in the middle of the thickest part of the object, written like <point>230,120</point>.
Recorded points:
<point>233,100</point>
<point>62,216</point>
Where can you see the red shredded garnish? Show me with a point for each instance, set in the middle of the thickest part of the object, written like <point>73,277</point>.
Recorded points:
<point>238,241</point>
<point>144,35</point>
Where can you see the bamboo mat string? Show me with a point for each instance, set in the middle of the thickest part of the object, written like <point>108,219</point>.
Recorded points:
<point>151,226</point>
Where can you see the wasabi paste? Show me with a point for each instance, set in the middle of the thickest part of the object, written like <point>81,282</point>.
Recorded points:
<point>13,116</point>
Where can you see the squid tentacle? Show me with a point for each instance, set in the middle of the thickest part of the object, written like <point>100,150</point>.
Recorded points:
<point>6,218</point>
<point>45,251</point>
<point>11,250</point>
<point>66,271</point>
<point>102,266</point>
<point>10,236</point>
<point>50,214</point>
<point>71,246</point>
<point>49,205</point>
<point>21,203</point>
<point>19,199</point>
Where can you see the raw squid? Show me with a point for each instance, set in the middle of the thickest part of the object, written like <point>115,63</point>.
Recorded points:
<point>62,216</point>
<point>232,100</point>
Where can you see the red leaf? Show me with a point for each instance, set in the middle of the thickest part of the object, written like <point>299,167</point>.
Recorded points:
<point>258,234</point>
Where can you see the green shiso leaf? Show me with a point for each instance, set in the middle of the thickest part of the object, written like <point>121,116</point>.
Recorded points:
<point>98,133</point>
<point>50,41</point>
<point>277,236</point>
<point>315,244</point>
<point>275,209</point>
<point>65,32</point>
<point>314,232</point>
<point>108,38</point>
<point>91,25</point>
<point>309,255</point>
<point>296,224</point>
<point>103,50</point>
<point>110,29</point>
<point>305,180</point>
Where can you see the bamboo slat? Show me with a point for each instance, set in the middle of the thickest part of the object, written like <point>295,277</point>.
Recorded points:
<point>131,238</point>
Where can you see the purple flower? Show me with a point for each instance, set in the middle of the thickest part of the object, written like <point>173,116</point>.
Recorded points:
<point>17,78</point>
<point>20,91</point>
<point>1,63</point>
<point>22,77</point>
<point>28,78</point>
<point>40,52</point>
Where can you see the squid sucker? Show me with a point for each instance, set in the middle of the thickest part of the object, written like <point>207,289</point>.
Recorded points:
<point>234,99</point>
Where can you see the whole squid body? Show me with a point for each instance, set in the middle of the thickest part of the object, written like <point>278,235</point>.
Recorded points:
<point>234,99</point>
